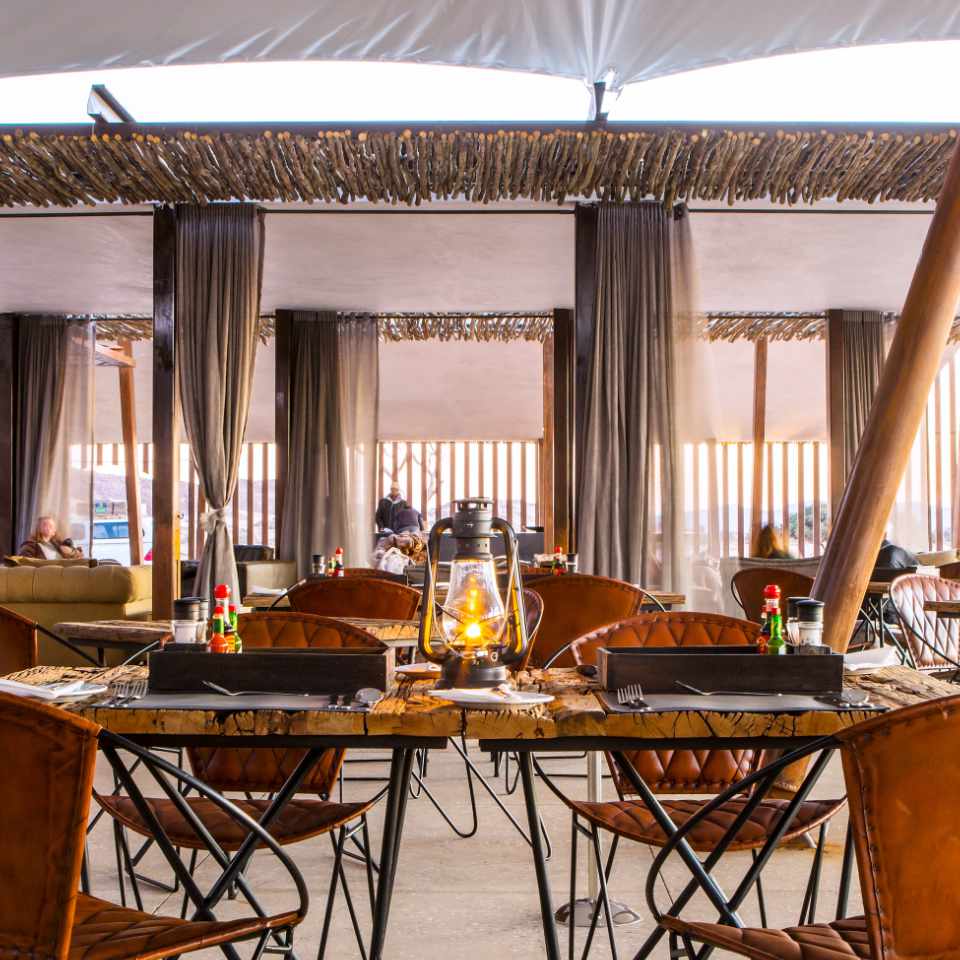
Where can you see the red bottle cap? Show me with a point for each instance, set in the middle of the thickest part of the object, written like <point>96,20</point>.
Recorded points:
<point>221,591</point>
<point>772,591</point>
<point>232,608</point>
<point>218,610</point>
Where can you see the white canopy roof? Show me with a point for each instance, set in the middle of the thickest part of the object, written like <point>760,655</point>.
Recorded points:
<point>588,39</point>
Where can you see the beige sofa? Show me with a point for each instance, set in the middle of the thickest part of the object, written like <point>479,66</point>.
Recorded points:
<point>52,594</point>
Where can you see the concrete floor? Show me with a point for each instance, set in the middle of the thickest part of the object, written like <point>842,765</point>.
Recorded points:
<point>477,898</point>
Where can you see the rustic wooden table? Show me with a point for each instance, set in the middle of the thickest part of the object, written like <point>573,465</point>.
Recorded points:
<point>407,719</point>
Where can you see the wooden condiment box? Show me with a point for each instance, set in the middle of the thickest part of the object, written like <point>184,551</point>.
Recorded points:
<point>272,670</point>
<point>728,668</point>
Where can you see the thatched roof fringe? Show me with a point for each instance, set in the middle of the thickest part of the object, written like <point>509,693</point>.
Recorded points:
<point>407,167</point>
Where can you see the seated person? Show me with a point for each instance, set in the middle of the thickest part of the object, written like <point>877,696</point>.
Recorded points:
<point>769,546</point>
<point>892,557</point>
<point>45,544</point>
<point>406,519</point>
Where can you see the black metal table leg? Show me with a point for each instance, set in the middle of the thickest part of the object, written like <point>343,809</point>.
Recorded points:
<point>400,766</point>
<point>550,939</point>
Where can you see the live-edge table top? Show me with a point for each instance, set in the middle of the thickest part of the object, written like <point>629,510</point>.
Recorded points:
<point>407,711</point>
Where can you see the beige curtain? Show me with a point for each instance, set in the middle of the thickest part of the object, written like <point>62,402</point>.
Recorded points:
<point>637,405</point>
<point>864,351</point>
<point>218,280</point>
<point>330,498</point>
<point>55,436</point>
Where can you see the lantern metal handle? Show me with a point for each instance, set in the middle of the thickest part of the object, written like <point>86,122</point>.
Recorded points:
<point>514,650</point>
<point>428,604</point>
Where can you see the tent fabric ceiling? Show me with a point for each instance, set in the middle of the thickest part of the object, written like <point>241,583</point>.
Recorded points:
<point>635,39</point>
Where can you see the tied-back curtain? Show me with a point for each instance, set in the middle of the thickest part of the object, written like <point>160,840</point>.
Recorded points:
<point>864,352</point>
<point>218,280</point>
<point>629,517</point>
<point>330,498</point>
<point>55,435</point>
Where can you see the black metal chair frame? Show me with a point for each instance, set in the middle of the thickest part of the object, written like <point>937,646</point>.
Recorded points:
<point>233,877</point>
<point>162,773</point>
<point>756,785</point>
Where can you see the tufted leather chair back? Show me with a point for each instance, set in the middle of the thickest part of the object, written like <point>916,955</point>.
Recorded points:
<point>908,594</point>
<point>575,604</point>
<point>50,758</point>
<point>267,769</point>
<point>747,587</point>
<point>902,798</point>
<point>365,597</point>
<point>375,574</point>
<point>18,642</point>
<point>677,771</point>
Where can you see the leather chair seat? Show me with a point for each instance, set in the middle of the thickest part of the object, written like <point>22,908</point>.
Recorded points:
<point>299,819</point>
<point>632,820</point>
<point>841,940</point>
<point>104,931</point>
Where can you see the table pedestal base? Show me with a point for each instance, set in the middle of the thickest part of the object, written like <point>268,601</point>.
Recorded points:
<point>583,913</point>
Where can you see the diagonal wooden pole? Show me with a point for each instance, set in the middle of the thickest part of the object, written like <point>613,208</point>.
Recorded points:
<point>895,416</point>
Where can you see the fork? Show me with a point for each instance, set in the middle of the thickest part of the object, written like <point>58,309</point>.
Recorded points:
<point>128,691</point>
<point>631,696</point>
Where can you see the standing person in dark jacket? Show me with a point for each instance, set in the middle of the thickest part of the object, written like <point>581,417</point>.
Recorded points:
<point>387,507</point>
<point>892,557</point>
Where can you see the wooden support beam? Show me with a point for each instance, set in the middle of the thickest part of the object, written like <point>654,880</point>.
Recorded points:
<point>547,448</point>
<point>128,420</point>
<point>898,405</point>
<point>759,437</point>
<point>166,449</point>
<point>564,447</point>
<point>111,356</point>
<point>283,325</point>
<point>836,433</point>
<point>9,417</point>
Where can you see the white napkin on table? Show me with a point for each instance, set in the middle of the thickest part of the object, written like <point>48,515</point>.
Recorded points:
<point>871,659</point>
<point>41,693</point>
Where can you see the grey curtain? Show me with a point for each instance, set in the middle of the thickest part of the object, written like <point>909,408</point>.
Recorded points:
<point>628,520</point>
<point>864,351</point>
<point>218,279</point>
<point>332,451</point>
<point>42,367</point>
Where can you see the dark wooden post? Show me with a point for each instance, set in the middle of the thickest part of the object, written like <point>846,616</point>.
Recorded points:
<point>166,448</point>
<point>282,333</point>
<point>8,431</point>
<point>128,420</point>
<point>895,416</point>
<point>564,447</point>
<point>546,448</point>
<point>835,423</point>
<point>759,437</point>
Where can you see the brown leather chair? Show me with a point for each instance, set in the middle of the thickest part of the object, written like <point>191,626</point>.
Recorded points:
<point>375,574</point>
<point>18,642</point>
<point>689,771</point>
<point>43,815</point>
<point>251,770</point>
<point>575,604</point>
<point>747,587</point>
<point>902,810</point>
<point>932,642</point>
<point>363,597</point>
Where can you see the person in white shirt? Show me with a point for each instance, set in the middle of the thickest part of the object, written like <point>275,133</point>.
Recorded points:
<point>45,544</point>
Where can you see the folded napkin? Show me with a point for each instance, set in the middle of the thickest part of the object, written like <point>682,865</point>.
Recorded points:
<point>872,659</point>
<point>503,693</point>
<point>41,693</point>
